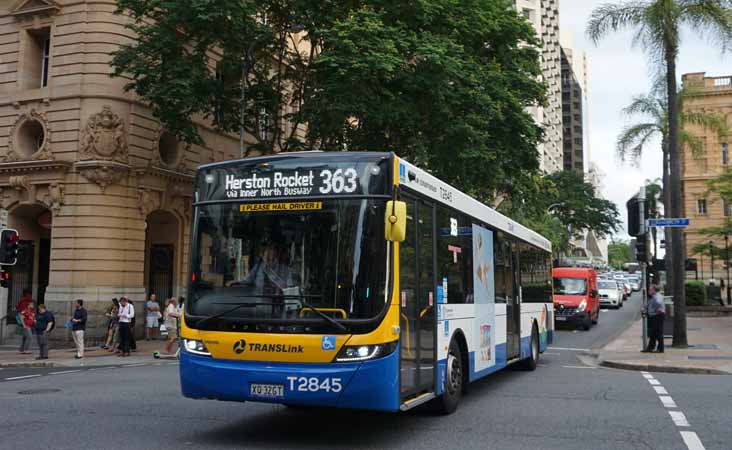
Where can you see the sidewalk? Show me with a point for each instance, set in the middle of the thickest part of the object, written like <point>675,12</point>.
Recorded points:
<point>94,356</point>
<point>709,352</point>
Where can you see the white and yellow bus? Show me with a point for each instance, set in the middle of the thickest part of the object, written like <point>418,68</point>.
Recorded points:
<point>354,280</point>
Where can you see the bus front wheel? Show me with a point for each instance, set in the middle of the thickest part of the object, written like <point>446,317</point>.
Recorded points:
<point>448,402</point>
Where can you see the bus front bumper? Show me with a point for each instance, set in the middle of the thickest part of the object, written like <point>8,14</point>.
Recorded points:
<point>363,385</point>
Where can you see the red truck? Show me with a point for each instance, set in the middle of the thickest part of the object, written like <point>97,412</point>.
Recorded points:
<point>576,300</point>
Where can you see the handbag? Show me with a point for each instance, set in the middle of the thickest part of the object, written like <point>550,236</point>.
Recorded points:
<point>159,315</point>
<point>163,330</point>
<point>69,324</point>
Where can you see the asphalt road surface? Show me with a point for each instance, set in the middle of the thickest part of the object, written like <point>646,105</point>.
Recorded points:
<point>567,403</point>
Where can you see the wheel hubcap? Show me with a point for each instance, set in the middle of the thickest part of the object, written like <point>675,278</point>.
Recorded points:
<point>454,374</point>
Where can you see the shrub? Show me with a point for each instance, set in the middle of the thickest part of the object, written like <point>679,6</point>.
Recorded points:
<point>696,293</point>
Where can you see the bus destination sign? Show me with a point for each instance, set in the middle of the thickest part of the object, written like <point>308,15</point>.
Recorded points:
<point>292,183</point>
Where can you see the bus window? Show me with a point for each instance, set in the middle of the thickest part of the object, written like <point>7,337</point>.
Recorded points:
<point>455,254</point>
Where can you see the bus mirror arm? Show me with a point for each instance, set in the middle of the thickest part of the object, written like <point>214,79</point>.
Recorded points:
<point>395,223</point>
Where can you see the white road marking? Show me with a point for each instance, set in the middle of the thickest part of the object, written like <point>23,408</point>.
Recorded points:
<point>570,349</point>
<point>660,390</point>
<point>654,382</point>
<point>64,371</point>
<point>647,376</point>
<point>667,401</point>
<point>644,373</point>
<point>692,440</point>
<point>550,353</point>
<point>132,365</point>
<point>679,418</point>
<point>20,378</point>
<point>579,367</point>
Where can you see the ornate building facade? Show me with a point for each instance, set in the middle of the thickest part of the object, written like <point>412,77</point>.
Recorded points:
<point>98,191</point>
<point>712,95</point>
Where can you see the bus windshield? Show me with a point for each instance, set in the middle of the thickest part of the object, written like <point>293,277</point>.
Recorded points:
<point>279,261</point>
<point>570,286</point>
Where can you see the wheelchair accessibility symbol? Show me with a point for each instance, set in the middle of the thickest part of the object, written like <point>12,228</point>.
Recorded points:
<point>328,343</point>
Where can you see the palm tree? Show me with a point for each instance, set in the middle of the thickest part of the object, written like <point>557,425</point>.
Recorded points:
<point>634,138</point>
<point>657,25</point>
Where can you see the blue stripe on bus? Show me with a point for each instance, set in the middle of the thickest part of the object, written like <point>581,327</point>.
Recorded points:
<point>368,385</point>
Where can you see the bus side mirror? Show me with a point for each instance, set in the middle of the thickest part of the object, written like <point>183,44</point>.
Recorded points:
<point>395,221</point>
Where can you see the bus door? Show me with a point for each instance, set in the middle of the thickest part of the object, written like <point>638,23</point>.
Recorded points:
<point>513,305</point>
<point>417,300</point>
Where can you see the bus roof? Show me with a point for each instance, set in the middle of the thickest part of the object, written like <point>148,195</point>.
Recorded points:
<point>430,186</point>
<point>417,179</point>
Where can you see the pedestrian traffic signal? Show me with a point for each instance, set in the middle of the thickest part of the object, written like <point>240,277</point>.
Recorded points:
<point>4,278</point>
<point>641,249</point>
<point>9,247</point>
<point>634,206</point>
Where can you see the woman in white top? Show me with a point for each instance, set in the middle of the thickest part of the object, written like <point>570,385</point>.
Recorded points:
<point>171,323</point>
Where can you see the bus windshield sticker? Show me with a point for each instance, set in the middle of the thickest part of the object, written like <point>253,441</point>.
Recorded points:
<point>289,206</point>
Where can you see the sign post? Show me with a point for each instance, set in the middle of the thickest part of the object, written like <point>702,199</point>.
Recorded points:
<point>644,279</point>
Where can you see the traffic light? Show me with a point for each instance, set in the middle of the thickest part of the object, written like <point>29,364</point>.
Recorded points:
<point>641,249</point>
<point>634,209</point>
<point>9,247</point>
<point>4,278</point>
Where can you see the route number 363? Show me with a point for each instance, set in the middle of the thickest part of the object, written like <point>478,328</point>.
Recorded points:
<point>313,384</point>
<point>338,182</point>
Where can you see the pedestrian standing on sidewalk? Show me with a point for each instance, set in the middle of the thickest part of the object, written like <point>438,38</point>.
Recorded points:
<point>44,324</point>
<point>152,317</point>
<point>656,314</point>
<point>171,323</point>
<point>112,324</point>
<point>78,326</point>
<point>22,305</point>
<point>126,315</point>
<point>28,321</point>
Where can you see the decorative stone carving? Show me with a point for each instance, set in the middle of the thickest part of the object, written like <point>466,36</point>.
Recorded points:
<point>148,201</point>
<point>103,174</point>
<point>104,138</point>
<point>55,197</point>
<point>19,183</point>
<point>168,152</point>
<point>28,9</point>
<point>29,138</point>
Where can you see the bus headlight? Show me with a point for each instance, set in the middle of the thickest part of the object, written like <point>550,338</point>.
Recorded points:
<point>354,353</point>
<point>196,347</point>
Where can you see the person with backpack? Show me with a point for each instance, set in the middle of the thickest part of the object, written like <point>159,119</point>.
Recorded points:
<point>45,323</point>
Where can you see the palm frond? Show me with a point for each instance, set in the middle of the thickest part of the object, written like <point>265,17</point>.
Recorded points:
<point>633,139</point>
<point>610,17</point>
<point>710,18</point>
<point>649,105</point>
<point>693,142</point>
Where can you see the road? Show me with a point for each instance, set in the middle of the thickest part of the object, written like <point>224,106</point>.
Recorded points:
<point>564,404</point>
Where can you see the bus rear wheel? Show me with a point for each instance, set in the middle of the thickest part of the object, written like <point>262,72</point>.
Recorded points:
<point>447,403</point>
<point>533,360</point>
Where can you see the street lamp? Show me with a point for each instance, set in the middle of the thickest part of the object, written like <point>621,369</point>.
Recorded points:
<point>726,258</point>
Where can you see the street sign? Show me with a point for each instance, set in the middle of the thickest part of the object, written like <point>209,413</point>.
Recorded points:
<point>3,218</point>
<point>681,222</point>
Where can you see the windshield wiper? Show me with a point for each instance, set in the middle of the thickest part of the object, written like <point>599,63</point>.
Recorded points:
<point>231,310</point>
<point>321,314</point>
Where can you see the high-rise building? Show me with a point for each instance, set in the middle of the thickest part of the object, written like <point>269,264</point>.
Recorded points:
<point>711,95</point>
<point>544,16</point>
<point>574,107</point>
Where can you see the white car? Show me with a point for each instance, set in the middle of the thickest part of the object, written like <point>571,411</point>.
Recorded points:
<point>610,293</point>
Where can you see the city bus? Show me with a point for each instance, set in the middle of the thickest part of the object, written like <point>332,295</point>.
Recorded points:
<point>354,280</point>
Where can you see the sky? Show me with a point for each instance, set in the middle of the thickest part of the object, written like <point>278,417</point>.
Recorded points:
<point>617,72</point>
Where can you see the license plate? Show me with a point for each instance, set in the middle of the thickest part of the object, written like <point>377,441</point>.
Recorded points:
<point>266,390</point>
<point>560,318</point>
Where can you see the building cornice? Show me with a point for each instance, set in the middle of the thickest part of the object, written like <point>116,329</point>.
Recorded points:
<point>18,167</point>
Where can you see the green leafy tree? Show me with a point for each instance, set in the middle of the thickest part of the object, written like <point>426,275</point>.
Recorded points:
<point>658,25</point>
<point>444,83</point>
<point>619,253</point>
<point>562,207</point>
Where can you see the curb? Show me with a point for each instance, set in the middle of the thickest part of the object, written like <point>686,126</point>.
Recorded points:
<point>664,369</point>
<point>27,364</point>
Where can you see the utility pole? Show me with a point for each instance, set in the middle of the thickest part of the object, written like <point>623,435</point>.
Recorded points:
<point>644,287</point>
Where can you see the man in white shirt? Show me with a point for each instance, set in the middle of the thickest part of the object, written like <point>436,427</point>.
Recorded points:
<point>126,314</point>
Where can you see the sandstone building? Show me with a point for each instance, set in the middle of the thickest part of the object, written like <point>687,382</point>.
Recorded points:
<point>98,191</point>
<point>713,95</point>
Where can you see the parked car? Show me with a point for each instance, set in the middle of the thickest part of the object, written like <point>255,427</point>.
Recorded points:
<point>576,299</point>
<point>634,281</point>
<point>610,293</point>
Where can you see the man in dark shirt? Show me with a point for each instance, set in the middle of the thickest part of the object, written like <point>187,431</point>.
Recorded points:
<point>44,323</point>
<point>77,328</point>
